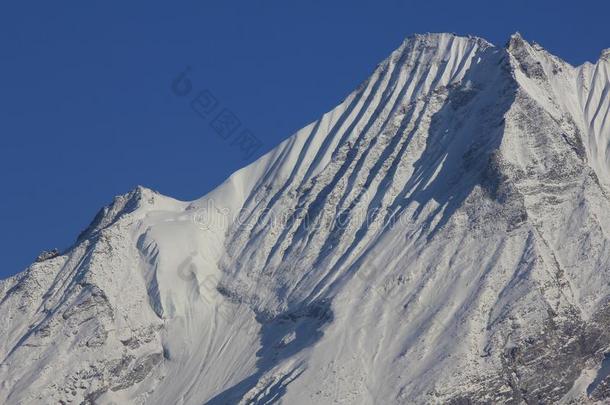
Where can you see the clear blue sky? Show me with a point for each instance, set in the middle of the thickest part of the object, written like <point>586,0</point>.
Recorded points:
<point>87,112</point>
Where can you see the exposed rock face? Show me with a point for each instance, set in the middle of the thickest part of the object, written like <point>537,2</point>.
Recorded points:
<point>441,236</point>
<point>47,254</point>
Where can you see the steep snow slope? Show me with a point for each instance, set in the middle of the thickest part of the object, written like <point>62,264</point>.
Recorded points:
<point>441,236</point>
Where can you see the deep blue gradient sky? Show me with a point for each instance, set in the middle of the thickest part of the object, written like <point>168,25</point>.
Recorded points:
<point>86,110</point>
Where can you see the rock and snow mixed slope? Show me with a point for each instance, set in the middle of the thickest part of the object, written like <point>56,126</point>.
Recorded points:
<point>441,236</point>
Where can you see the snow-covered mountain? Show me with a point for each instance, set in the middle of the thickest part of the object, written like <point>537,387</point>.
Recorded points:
<point>441,236</point>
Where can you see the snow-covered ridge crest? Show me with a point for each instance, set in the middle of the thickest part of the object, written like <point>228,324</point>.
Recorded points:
<point>121,205</point>
<point>479,274</point>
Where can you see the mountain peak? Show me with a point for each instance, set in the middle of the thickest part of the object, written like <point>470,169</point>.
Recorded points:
<point>516,42</point>
<point>516,35</point>
<point>138,198</point>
